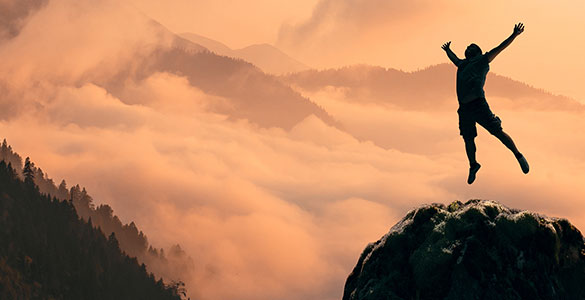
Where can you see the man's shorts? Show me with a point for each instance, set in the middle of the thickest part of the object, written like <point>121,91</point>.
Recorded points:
<point>477,111</point>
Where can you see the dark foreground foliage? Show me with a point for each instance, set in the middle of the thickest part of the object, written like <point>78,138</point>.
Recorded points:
<point>476,250</point>
<point>48,252</point>
<point>172,265</point>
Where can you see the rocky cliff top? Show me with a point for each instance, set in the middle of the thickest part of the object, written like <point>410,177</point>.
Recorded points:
<point>474,250</point>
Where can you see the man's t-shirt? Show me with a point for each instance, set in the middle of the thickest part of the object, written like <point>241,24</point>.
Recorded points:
<point>471,75</point>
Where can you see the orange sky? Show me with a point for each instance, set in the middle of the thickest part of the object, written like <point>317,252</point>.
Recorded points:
<point>269,213</point>
<point>399,34</point>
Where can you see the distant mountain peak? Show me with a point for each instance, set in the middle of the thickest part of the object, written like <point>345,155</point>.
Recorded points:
<point>267,57</point>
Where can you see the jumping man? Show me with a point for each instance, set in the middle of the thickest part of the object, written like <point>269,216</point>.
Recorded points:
<point>473,107</point>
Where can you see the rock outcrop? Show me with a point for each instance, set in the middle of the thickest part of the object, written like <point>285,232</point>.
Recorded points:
<point>475,250</point>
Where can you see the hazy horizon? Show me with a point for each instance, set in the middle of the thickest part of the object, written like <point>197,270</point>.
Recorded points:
<point>326,33</point>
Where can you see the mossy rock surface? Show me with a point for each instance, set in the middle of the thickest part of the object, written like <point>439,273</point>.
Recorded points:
<point>474,250</point>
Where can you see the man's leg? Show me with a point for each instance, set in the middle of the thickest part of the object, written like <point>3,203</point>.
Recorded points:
<point>473,164</point>
<point>509,143</point>
<point>470,149</point>
<point>468,131</point>
<point>493,124</point>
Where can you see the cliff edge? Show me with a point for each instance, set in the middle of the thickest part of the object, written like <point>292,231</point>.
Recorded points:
<point>474,250</point>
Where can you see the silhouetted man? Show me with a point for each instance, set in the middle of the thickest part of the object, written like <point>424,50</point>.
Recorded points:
<point>473,108</point>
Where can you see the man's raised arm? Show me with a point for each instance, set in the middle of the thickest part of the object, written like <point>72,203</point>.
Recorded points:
<point>518,29</point>
<point>450,53</point>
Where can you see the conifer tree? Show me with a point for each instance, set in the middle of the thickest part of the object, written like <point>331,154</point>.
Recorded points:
<point>63,193</point>
<point>29,172</point>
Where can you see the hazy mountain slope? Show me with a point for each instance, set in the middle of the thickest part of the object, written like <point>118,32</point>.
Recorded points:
<point>251,94</point>
<point>47,252</point>
<point>256,96</point>
<point>267,57</point>
<point>428,89</point>
<point>476,250</point>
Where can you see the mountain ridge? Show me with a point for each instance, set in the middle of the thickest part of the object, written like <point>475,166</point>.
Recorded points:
<point>249,92</point>
<point>428,88</point>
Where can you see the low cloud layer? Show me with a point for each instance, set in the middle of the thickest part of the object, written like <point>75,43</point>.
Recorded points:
<point>264,213</point>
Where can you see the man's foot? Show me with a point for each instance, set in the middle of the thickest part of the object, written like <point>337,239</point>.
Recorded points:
<point>472,171</point>
<point>523,163</point>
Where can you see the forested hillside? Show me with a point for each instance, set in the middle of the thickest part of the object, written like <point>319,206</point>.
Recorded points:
<point>48,252</point>
<point>172,265</point>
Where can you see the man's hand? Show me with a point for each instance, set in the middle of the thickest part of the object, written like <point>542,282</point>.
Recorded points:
<point>518,29</point>
<point>446,45</point>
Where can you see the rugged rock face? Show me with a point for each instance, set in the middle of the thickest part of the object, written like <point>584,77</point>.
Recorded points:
<point>477,250</point>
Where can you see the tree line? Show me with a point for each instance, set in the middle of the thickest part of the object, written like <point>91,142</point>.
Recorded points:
<point>48,252</point>
<point>172,265</point>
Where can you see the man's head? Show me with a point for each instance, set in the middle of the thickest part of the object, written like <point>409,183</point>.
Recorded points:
<point>472,51</point>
